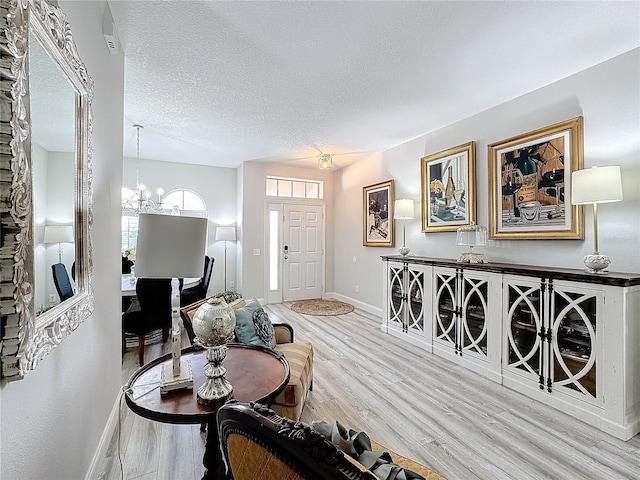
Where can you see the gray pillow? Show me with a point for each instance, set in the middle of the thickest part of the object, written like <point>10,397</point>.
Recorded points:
<point>245,329</point>
<point>264,328</point>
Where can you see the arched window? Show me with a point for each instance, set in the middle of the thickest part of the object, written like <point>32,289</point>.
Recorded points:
<point>187,202</point>
<point>176,202</point>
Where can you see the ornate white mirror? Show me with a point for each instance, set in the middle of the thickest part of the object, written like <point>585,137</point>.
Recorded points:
<point>45,188</point>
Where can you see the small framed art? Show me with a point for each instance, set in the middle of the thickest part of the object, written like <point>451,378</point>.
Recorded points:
<point>377,212</point>
<point>448,189</point>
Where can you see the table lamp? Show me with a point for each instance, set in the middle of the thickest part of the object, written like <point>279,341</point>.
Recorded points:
<point>403,210</point>
<point>471,235</point>
<point>58,234</point>
<point>593,186</point>
<point>172,247</point>
<point>228,234</point>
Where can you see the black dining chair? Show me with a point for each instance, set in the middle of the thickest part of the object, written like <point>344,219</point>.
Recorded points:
<point>154,297</point>
<point>126,265</point>
<point>61,281</point>
<point>198,292</point>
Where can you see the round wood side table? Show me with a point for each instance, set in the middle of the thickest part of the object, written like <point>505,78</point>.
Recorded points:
<point>256,374</point>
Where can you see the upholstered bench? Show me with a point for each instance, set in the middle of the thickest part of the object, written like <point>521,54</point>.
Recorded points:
<point>299,356</point>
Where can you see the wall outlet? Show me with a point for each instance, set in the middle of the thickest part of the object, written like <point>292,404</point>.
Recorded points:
<point>232,284</point>
<point>357,288</point>
<point>256,252</point>
<point>52,298</point>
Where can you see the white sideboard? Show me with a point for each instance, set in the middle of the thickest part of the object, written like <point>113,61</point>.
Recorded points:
<point>564,337</point>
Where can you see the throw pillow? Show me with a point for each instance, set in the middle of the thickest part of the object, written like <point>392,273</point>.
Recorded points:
<point>264,328</point>
<point>245,329</point>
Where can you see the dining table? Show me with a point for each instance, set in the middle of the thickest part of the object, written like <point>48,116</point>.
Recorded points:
<point>129,284</point>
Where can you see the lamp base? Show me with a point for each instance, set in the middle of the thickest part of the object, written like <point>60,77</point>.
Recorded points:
<point>169,383</point>
<point>470,257</point>
<point>596,263</point>
<point>217,389</point>
<point>404,250</point>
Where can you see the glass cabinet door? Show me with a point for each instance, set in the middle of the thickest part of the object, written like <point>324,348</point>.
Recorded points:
<point>396,295</point>
<point>445,308</point>
<point>415,312</point>
<point>473,324</point>
<point>524,321</point>
<point>574,333</point>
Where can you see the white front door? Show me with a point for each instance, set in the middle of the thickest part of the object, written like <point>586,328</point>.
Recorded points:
<point>303,252</point>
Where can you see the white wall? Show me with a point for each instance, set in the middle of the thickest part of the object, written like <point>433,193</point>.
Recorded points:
<point>608,97</point>
<point>217,187</point>
<point>60,211</point>
<point>39,166</point>
<point>52,421</point>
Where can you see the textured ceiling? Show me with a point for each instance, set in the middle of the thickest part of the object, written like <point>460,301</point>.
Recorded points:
<point>219,83</point>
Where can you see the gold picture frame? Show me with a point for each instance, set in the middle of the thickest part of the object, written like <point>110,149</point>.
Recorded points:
<point>377,208</point>
<point>530,184</point>
<point>448,188</point>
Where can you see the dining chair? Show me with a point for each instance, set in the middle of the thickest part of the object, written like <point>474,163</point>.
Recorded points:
<point>154,298</point>
<point>61,281</point>
<point>198,292</point>
<point>258,444</point>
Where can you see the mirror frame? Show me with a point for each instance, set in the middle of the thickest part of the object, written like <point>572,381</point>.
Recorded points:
<point>26,340</point>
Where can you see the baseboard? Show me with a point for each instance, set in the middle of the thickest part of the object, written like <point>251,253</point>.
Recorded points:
<point>93,473</point>
<point>356,303</point>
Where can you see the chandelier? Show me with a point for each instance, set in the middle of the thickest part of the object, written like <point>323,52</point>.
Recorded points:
<point>140,201</point>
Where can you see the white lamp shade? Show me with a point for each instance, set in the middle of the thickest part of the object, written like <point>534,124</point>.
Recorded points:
<point>170,247</point>
<point>596,185</point>
<point>58,234</point>
<point>403,209</point>
<point>226,233</point>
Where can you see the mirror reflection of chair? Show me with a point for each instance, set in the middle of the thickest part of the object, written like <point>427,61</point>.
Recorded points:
<point>126,265</point>
<point>154,297</point>
<point>61,281</point>
<point>198,292</point>
<point>126,269</point>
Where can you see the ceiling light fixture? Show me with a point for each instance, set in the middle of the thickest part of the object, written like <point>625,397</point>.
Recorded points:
<point>325,161</point>
<point>140,201</point>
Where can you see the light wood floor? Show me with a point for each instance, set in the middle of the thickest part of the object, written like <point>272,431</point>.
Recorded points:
<point>418,404</point>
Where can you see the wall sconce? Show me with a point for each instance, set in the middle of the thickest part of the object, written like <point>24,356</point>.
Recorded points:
<point>593,186</point>
<point>403,210</point>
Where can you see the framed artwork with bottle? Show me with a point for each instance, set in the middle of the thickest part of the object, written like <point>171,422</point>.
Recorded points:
<point>530,184</point>
<point>377,205</point>
<point>448,189</point>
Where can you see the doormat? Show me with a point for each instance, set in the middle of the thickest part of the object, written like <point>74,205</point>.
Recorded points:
<point>322,307</point>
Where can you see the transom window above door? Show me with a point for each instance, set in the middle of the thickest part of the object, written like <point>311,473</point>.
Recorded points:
<point>294,188</point>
